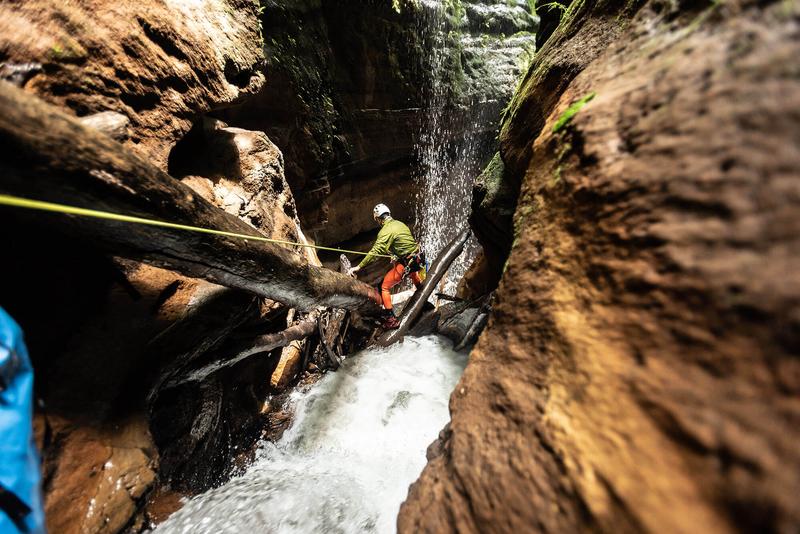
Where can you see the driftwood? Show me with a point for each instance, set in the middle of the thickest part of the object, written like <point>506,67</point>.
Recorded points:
<point>325,341</point>
<point>261,344</point>
<point>473,332</point>
<point>415,304</point>
<point>462,321</point>
<point>217,315</point>
<point>114,125</point>
<point>330,325</point>
<point>47,155</point>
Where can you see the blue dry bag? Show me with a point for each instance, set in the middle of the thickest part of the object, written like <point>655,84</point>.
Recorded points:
<point>20,493</point>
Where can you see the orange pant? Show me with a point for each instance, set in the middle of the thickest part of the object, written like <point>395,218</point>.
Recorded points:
<point>392,278</point>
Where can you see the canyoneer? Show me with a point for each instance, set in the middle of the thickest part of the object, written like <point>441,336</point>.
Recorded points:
<point>396,240</point>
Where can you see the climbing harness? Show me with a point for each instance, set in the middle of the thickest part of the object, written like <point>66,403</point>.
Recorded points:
<point>413,263</point>
<point>25,203</point>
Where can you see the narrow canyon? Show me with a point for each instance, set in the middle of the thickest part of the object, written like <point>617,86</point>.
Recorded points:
<point>615,346</point>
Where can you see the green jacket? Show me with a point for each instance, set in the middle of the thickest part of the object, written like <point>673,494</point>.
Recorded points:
<point>394,239</point>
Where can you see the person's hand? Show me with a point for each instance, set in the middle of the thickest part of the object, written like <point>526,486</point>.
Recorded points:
<point>353,270</point>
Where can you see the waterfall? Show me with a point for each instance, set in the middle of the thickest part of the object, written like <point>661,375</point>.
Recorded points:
<point>357,441</point>
<point>359,435</point>
<point>470,75</point>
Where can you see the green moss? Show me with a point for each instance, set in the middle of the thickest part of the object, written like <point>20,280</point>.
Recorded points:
<point>527,80</point>
<point>571,111</point>
<point>67,51</point>
<point>524,212</point>
<point>508,111</point>
<point>565,149</point>
<point>568,16</point>
<point>456,13</point>
<point>556,175</point>
<point>261,9</point>
<point>554,5</point>
<point>491,179</point>
<point>399,6</point>
<point>703,16</point>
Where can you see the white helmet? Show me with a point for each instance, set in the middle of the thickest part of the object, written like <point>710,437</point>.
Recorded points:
<point>380,210</point>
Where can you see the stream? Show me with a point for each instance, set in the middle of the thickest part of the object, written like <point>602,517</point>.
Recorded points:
<point>357,442</point>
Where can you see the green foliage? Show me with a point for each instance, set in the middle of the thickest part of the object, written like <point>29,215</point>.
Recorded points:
<point>456,12</point>
<point>261,8</point>
<point>571,111</point>
<point>554,5</point>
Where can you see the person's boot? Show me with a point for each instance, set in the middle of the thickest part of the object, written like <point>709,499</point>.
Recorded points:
<point>390,322</point>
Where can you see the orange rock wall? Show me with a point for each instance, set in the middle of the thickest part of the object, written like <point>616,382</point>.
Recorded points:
<point>640,370</point>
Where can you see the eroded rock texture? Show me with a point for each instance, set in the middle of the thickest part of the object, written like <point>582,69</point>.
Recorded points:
<point>106,334</point>
<point>640,370</point>
<point>242,172</point>
<point>342,105</point>
<point>159,63</point>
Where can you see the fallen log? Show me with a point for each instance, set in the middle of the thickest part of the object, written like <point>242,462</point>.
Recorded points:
<point>415,304</point>
<point>215,315</point>
<point>48,155</point>
<point>264,343</point>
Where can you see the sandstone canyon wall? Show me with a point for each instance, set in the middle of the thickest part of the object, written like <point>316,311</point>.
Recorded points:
<point>640,368</point>
<point>105,332</point>
<point>246,103</point>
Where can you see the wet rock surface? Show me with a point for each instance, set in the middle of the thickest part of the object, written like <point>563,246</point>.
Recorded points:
<point>639,371</point>
<point>342,105</point>
<point>122,435</point>
<point>157,63</point>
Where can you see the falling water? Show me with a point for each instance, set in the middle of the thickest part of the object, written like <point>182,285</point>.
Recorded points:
<point>443,188</point>
<point>358,440</point>
<point>457,135</point>
<point>359,435</point>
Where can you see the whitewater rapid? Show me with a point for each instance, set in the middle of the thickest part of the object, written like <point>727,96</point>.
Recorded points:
<point>357,441</point>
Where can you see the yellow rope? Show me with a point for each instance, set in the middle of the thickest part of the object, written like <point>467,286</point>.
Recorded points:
<point>18,202</point>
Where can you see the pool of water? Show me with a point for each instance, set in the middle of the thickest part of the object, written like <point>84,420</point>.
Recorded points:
<point>357,442</point>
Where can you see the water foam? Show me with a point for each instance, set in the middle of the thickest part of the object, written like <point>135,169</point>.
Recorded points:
<point>358,440</point>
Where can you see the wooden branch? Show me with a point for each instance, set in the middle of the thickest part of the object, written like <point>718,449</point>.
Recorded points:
<point>332,358</point>
<point>261,344</point>
<point>114,125</point>
<point>48,155</point>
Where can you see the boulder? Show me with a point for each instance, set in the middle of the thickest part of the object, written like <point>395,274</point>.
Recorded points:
<point>158,63</point>
<point>242,172</point>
